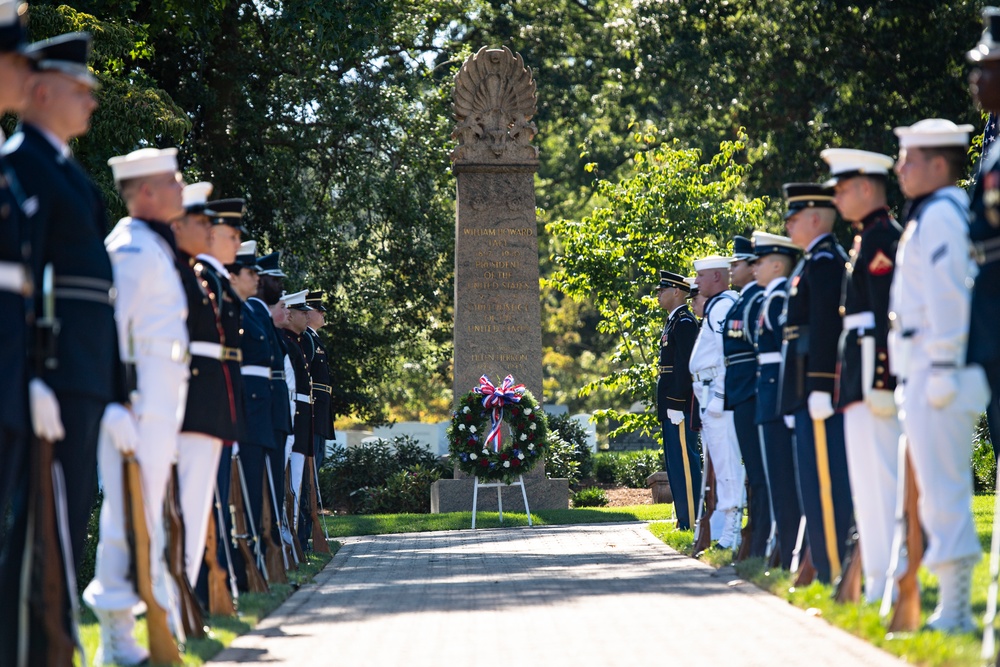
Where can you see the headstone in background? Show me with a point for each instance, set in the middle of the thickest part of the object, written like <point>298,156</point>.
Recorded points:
<point>498,321</point>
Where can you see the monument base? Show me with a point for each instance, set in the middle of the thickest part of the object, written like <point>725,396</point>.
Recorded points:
<point>455,495</point>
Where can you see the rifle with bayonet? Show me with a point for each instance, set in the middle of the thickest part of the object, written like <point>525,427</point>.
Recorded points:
<point>291,516</point>
<point>706,508</point>
<point>318,539</point>
<point>275,556</point>
<point>220,602</point>
<point>909,540</point>
<point>192,617</point>
<point>241,534</point>
<point>847,589</point>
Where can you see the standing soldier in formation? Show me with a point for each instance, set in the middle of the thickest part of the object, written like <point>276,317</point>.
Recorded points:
<point>811,331</point>
<point>322,381</point>
<point>150,311</point>
<point>942,396</point>
<point>302,434</point>
<point>776,255</point>
<point>984,230</point>
<point>675,397</point>
<point>864,385</point>
<point>738,337</point>
<point>718,433</point>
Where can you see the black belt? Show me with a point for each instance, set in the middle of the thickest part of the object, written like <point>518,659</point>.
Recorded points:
<point>986,252</point>
<point>740,358</point>
<point>84,288</point>
<point>666,369</point>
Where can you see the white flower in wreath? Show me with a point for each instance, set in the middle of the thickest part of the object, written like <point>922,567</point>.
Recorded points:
<point>523,437</point>
<point>531,447</point>
<point>472,456</point>
<point>532,427</point>
<point>485,452</point>
<point>461,427</point>
<point>466,409</point>
<point>520,456</point>
<point>527,411</point>
<point>506,464</point>
<point>472,429</point>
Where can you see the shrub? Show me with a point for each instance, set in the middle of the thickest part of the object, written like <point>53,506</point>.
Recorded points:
<point>604,467</point>
<point>407,491</point>
<point>590,497</point>
<point>632,468</point>
<point>560,460</point>
<point>984,463</point>
<point>571,431</point>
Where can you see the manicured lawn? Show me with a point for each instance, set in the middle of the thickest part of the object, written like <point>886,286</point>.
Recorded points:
<point>921,648</point>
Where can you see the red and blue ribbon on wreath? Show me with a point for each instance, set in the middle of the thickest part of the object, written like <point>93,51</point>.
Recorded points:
<point>497,397</point>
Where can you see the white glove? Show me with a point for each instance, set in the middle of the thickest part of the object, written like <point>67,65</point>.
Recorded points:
<point>881,402</point>
<point>119,425</point>
<point>820,405</point>
<point>675,416</point>
<point>235,450</point>
<point>45,418</point>
<point>716,406</point>
<point>790,421</point>
<point>941,388</point>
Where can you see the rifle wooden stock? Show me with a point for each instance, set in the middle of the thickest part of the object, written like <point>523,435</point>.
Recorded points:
<point>192,618</point>
<point>220,602</point>
<point>807,571</point>
<point>703,538</point>
<point>847,589</point>
<point>272,554</point>
<point>162,648</point>
<point>906,616</point>
<point>255,581</point>
<point>47,596</point>
<point>318,538</point>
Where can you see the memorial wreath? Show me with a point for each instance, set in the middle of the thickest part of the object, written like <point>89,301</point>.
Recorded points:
<point>476,438</point>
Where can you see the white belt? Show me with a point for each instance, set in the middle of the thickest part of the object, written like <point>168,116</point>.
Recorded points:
<point>859,321</point>
<point>164,348</point>
<point>13,278</point>
<point>259,371</point>
<point>201,348</point>
<point>769,358</point>
<point>706,375</point>
<point>303,398</point>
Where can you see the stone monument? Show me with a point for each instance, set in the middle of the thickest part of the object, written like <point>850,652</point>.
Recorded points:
<point>497,310</point>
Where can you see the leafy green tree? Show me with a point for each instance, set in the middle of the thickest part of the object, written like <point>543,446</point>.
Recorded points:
<point>673,208</point>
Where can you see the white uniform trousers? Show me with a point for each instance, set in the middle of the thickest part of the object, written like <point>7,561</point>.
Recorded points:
<point>872,447</point>
<point>197,466</point>
<point>718,434</point>
<point>940,444</point>
<point>296,466</point>
<point>160,412</point>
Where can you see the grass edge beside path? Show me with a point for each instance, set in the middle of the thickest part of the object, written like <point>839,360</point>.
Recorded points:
<point>926,648</point>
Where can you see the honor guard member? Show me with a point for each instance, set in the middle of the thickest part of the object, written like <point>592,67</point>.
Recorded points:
<point>322,381</point>
<point>298,349</point>
<point>864,385</point>
<point>675,396</point>
<point>15,280</point>
<point>151,314</point>
<point>269,290</point>
<point>741,378</point>
<point>984,229</point>
<point>776,256</point>
<point>214,401</point>
<point>942,396</point>
<point>718,433</point>
<point>811,332</point>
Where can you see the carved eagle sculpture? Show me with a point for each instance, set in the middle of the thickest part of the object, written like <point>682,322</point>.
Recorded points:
<point>494,103</point>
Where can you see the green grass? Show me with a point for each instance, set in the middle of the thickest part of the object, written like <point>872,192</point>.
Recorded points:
<point>382,524</point>
<point>222,630</point>
<point>920,648</point>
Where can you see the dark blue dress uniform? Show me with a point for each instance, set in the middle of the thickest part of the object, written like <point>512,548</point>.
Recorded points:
<point>984,325</point>
<point>674,391</point>
<point>867,291</point>
<point>741,378</point>
<point>298,347</point>
<point>811,332</point>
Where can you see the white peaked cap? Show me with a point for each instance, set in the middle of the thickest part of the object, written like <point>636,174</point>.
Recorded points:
<point>296,299</point>
<point>690,280</point>
<point>144,162</point>
<point>247,248</point>
<point>197,194</point>
<point>932,132</point>
<point>852,162</point>
<point>712,262</point>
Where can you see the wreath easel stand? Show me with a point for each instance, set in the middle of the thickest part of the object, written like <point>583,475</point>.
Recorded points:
<point>479,485</point>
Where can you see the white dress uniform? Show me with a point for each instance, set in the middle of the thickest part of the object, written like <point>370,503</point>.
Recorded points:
<point>150,311</point>
<point>931,296</point>
<point>718,432</point>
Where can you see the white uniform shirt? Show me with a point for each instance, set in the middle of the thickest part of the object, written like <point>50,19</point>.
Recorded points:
<point>150,307</point>
<point>931,288</point>
<point>707,356</point>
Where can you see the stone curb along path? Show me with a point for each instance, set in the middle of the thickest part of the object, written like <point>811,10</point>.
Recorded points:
<point>601,594</point>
